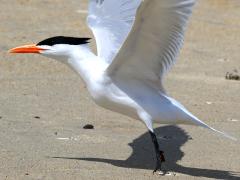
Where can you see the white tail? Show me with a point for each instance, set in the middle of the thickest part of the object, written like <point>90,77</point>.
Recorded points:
<point>222,133</point>
<point>195,121</point>
<point>200,123</point>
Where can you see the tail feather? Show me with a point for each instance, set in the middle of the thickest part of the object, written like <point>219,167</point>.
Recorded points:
<point>195,121</point>
<point>223,133</point>
<point>200,123</point>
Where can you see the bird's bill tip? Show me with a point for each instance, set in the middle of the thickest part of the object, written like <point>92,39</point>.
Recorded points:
<point>32,48</point>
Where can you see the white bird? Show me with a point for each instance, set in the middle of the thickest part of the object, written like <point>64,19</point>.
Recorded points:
<point>137,43</point>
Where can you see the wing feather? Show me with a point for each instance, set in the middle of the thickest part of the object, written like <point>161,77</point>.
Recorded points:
<point>110,22</point>
<point>154,42</point>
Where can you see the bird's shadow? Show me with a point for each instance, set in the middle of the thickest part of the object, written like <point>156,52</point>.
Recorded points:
<point>171,138</point>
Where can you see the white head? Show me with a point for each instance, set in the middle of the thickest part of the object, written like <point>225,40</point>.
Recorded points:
<point>59,47</point>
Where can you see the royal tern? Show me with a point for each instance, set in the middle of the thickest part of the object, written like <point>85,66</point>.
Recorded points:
<point>137,43</point>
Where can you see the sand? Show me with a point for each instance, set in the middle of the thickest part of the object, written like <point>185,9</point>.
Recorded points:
<point>44,105</point>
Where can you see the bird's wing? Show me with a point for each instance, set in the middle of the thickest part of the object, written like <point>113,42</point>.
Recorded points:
<point>154,41</point>
<point>111,21</point>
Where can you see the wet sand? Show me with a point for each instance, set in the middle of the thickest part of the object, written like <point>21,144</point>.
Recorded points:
<point>44,105</point>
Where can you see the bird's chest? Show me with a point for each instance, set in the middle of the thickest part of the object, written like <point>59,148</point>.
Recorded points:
<point>101,98</point>
<point>104,96</point>
<point>112,98</point>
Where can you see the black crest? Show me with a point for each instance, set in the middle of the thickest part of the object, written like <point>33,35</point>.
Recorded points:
<point>64,40</point>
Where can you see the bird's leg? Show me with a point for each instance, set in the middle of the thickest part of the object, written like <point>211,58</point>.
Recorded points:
<point>159,153</point>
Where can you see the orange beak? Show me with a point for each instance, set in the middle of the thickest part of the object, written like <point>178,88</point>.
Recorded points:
<point>26,49</point>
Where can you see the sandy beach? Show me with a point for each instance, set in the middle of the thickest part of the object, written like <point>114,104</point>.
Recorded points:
<point>44,104</point>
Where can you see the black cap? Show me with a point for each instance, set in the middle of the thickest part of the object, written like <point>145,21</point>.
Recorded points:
<point>64,40</point>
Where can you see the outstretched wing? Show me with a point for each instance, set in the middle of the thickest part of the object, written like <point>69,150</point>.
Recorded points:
<point>154,42</point>
<point>111,21</point>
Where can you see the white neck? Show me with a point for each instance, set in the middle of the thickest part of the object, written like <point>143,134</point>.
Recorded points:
<point>87,64</point>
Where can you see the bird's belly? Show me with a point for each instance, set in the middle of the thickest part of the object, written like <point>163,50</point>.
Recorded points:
<point>161,109</point>
<point>159,114</point>
<point>118,103</point>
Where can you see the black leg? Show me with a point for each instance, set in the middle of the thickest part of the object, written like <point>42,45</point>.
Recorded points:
<point>159,153</point>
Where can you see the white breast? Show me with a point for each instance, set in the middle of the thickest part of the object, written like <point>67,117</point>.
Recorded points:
<point>109,96</point>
